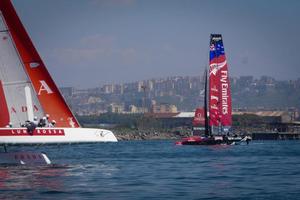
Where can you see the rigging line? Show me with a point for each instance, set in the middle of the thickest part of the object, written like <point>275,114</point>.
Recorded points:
<point>206,93</point>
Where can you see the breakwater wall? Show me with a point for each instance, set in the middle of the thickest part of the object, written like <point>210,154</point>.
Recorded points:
<point>275,136</point>
<point>149,135</point>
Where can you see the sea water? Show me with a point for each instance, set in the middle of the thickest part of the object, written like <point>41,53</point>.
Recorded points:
<point>158,170</point>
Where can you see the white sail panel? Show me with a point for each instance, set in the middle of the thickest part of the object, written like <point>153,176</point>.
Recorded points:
<point>14,80</point>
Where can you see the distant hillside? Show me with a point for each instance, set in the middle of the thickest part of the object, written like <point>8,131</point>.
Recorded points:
<point>186,93</point>
<point>265,93</point>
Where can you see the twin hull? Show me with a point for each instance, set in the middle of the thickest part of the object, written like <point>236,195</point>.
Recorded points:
<point>20,136</point>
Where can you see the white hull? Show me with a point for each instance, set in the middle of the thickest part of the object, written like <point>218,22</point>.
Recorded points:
<point>20,136</point>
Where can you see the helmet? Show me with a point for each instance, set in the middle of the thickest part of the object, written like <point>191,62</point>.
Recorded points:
<point>44,117</point>
<point>35,118</point>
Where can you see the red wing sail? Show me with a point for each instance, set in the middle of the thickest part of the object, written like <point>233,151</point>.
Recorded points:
<point>47,92</point>
<point>4,116</point>
<point>219,88</point>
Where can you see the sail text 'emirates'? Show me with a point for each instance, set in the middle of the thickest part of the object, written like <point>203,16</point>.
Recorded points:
<point>224,85</point>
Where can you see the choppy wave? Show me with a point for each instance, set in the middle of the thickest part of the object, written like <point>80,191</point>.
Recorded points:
<point>159,170</point>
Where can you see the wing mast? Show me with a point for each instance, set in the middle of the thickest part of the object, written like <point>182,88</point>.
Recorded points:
<point>219,87</point>
<point>206,117</point>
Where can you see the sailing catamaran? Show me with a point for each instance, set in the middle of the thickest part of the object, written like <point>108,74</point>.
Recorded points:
<point>27,90</point>
<point>217,99</point>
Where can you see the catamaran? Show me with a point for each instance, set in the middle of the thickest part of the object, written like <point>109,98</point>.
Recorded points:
<point>216,115</point>
<point>27,91</point>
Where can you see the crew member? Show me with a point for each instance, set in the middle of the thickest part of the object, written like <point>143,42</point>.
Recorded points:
<point>35,121</point>
<point>42,122</point>
<point>47,120</point>
<point>30,126</point>
<point>52,124</point>
<point>9,125</point>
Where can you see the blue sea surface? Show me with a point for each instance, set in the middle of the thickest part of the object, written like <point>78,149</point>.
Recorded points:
<point>158,170</point>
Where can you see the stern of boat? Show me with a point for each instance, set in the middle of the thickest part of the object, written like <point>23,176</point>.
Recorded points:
<point>106,135</point>
<point>86,135</point>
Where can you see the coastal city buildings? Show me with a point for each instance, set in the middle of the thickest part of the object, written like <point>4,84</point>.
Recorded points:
<point>182,94</point>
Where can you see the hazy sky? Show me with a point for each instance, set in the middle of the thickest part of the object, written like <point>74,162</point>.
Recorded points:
<point>85,43</point>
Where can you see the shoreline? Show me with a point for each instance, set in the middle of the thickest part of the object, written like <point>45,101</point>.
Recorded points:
<point>126,135</point>
<point>148,135</point>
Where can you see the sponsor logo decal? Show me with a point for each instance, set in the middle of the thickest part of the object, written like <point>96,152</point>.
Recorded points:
<point>224,94</point>
<point>44,88</point>
<point>36,132</point>
<point>22,109</point>
<point>216,38</point>
<point>215,67</point>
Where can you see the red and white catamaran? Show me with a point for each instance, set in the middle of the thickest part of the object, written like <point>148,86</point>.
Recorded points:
<point>216,115</point>
<point>27,90</point>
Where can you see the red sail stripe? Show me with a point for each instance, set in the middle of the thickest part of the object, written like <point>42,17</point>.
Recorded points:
<point>4,116</point>
<point>48,93</point>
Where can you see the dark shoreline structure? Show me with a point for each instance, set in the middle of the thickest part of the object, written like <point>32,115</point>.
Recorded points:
<point>287,132</point>
<point>264,131</point>
<point>276,136</point>
<point>149,135</point>
<point>157,135</point>
<point>262,125</point>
